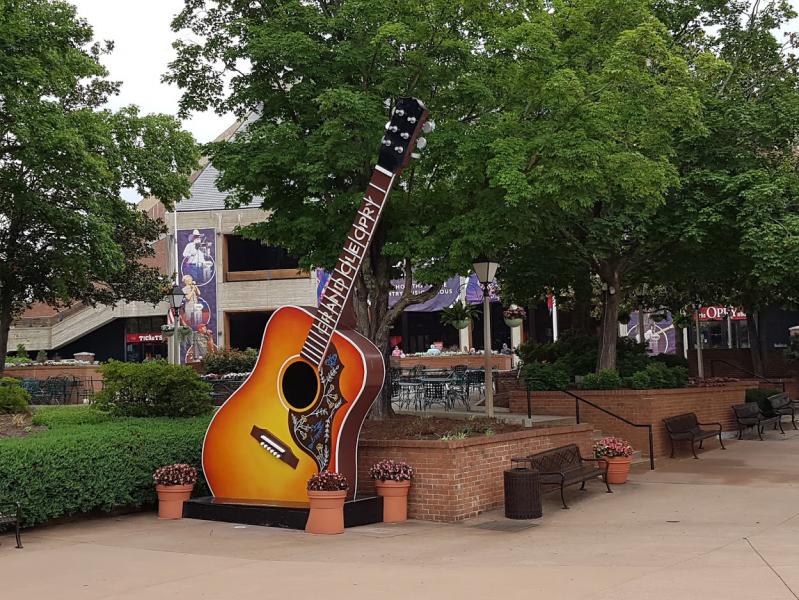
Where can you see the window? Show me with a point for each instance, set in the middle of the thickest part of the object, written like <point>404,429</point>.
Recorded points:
<point>251,260</point>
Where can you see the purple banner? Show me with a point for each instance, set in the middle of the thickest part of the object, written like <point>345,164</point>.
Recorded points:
<point>659,336</point>
<point>197,253</point>
<point>446,296</point>
<point>474,291</point>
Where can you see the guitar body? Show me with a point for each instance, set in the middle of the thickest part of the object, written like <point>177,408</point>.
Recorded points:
<point>290,419</point>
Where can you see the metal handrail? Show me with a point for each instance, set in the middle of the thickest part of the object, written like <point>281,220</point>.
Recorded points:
<point>748,372</point>
<point>578,399</point>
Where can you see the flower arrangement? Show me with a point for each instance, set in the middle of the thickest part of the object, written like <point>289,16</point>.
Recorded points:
<point>179,474</point>
<point>217,376</point>
<point>389,470</point>
<point>514,312</point>
<point>327,481</point>
<point>612,447</point>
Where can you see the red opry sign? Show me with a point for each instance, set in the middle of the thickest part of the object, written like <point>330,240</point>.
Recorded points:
<point>719,313</point>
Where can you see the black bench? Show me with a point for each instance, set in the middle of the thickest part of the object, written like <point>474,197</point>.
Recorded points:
<point>782,405</point>
<point>749,415</point>
<point>687,428</point>
<point>565,466</point>
<point>11,515</point>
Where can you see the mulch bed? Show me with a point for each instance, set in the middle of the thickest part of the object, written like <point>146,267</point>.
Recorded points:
<point>17,426</point>
<point>415,427</point>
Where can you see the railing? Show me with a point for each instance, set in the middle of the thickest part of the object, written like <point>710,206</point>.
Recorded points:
<point>747,371</point>
<point>578,399</point>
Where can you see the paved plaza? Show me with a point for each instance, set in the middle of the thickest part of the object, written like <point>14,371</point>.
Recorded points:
<point>725,526</point>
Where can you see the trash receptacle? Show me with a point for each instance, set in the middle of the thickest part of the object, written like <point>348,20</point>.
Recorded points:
<point>522,494</point>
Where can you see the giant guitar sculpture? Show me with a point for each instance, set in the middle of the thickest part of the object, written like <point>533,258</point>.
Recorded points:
<point>301,409</point>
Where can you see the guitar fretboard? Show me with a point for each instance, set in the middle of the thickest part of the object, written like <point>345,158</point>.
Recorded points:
<point>339,286</point>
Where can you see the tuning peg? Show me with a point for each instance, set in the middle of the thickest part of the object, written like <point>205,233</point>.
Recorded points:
<point>421,143</point>
<point>399,112</point>
<point>429,126</point>
<point>386,142</point>
<point>411,120</point>
<point>405,135</point>
<point>399,149</point>
<point>390,127</point>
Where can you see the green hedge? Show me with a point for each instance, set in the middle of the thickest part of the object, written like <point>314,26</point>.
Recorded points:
<point>13,398</point>
<point>77,468</point>
<point>152,389</point>
<point>65,416</point>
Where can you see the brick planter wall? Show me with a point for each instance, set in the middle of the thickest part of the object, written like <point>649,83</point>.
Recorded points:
<point>712,404</point>
<point>88,374</point>
<point>455,480</point>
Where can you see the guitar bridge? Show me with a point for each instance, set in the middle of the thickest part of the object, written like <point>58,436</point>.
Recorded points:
<point>274,446</point>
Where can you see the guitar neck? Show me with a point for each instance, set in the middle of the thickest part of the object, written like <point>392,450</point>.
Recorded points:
<point>342,279</point>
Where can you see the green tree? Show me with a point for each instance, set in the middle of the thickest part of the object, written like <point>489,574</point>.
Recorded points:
<point>321,78</point>
<point>66,235</point>
<point>734,226</point>
<point>589,159</point>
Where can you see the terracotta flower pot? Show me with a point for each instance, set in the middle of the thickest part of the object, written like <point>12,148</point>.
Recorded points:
<point>618,468</point>
<point>327,512</point>
<point>171,499</point>
<point>395,500</point>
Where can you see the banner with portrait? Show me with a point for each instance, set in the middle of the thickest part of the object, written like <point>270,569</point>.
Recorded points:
<point>197,257</point>
<point>659,332</point>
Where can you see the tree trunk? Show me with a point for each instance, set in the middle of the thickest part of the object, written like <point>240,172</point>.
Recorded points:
<point>753,322</point>
<point>609,326</point>
<point>581,317</point>
<point>6,317</point>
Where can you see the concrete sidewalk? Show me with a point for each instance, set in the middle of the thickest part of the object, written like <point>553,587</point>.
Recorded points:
<point>725,526</point>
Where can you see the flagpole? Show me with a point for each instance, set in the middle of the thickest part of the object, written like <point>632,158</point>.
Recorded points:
<point>554,319</point>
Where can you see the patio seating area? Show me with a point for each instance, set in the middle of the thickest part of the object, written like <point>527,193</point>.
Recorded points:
<point>61,389</point>
<point>420,388</point>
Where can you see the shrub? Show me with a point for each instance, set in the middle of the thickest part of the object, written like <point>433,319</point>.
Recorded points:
<point>670,360</point>
<point>22,352</point>
<point>605,379</point>
<point>152,389</point>
<point>230,361</point>
<point>81,468</point>
<point>389,470</point>
<point>41,356</point>
<point>658,375</point>
<point>761,397</point>
<point>327,481</point>
<point>56,417</point>
<point>177,474</point>
<point>13,398</point>
<point>541,376</point>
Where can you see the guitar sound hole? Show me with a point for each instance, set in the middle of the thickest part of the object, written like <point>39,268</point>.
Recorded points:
<point>300,385</point>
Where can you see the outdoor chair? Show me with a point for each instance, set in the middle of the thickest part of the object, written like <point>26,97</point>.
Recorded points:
<point>782,405</point>
<point>749,415</point>
<point>687,428</point>
<point>434,392</point>
<point>11,516</point>
<point>565,466</point>
<point>458,389</point>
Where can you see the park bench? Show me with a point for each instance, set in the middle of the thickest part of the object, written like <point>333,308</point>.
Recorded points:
<point>687,428</point>
<point>749,415</point>
<point>565,466</point>
<point>782,405</point>
<point>11,515</point>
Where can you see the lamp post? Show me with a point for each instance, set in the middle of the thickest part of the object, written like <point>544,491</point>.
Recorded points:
<point>700,367</point>
<point>176,297</point>
<point>485,270</point>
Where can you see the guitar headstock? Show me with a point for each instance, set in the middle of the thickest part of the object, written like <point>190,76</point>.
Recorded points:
<point>408,120</point>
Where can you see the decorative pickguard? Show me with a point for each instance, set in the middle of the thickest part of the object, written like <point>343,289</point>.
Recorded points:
<point>312,430</point>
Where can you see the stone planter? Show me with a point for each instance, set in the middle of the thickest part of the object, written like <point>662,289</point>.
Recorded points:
<point>327,512</point>
<point>462,324</point>
<point>514,322</point>
<point>395,500</point>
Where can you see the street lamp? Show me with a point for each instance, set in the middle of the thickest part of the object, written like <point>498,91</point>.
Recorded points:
<point>176,297</point>
<point>485,271</point>
<point>700,367</point>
